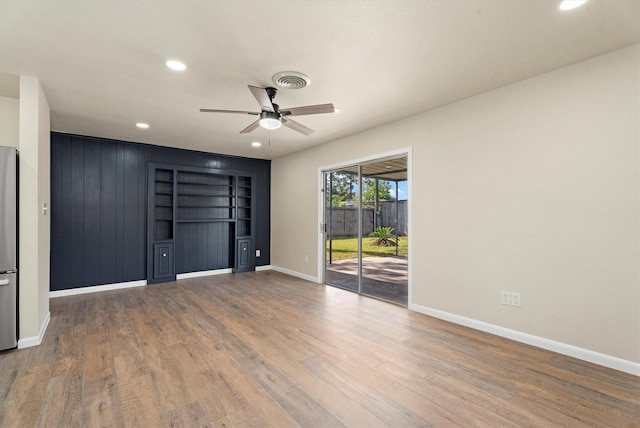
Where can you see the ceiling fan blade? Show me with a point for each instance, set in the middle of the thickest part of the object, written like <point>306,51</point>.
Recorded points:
<point>296,126</point>
<point>317,109</point>
<point>263,98</point>
<point>251,127</point>
<point>211,110</point>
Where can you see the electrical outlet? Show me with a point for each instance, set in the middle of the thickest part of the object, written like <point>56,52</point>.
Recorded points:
<point>505,298</point>
<point>257,253</point>
<point>306,258</point>
<point>516,299</point>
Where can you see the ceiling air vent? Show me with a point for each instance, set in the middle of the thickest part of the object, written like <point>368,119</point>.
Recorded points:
<point>291,80</point>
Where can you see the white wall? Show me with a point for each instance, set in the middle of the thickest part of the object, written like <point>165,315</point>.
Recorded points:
<point>532,188</point>
<point>34,228</point>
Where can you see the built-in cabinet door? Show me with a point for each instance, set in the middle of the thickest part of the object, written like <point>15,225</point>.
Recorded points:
<point>243,255</point>
<point>163,260</point>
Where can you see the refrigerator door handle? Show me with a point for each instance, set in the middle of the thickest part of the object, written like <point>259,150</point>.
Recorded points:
<point>4,282</point>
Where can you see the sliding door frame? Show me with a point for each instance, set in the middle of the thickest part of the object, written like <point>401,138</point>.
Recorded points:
<point>321,262</point>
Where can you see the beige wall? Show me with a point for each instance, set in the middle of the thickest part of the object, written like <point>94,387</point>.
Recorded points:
<point>44,199</point>
<point>34,149</point>
<point>9,126</point>
<point>532,188</point>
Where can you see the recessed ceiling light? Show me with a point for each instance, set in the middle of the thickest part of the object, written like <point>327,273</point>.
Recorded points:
<point>571,4</point>
<point>256,144</point>
<point>176,65</point>
<point>142,125</point>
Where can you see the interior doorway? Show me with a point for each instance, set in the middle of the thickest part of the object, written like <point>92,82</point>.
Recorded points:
<point>366,228</point>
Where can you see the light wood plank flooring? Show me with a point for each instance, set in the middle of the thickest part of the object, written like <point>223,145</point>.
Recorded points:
<point>265,349</point>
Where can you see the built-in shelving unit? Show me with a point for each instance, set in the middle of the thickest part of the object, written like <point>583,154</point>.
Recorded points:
<point>244,242</point>
<point>205,197</point>
<point>204,209</point>
<point>163,205</point>
<point>244,206</point>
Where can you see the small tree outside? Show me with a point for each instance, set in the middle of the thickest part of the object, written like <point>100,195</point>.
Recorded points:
<point>382,237</point>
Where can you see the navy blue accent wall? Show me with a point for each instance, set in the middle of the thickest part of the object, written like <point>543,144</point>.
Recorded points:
<point>99,206</point>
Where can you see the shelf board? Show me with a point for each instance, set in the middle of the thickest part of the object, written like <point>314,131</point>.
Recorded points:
<point>158,241</point>
<point>207,206</point>
<point>207,220</point>
<point>214,195</point>
<point>203,184</point>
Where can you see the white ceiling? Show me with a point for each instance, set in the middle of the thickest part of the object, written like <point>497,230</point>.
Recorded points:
<point>101,63</point>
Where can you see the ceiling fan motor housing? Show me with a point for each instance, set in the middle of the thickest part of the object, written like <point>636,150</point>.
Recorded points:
<point>271,92</point>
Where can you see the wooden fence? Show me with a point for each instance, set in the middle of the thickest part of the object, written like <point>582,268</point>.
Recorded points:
<point>343,222</point>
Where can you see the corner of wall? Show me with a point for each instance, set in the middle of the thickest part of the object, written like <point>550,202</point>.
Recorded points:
<point>34,225</point>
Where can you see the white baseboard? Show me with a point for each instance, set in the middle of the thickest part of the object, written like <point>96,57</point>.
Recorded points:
<point>540,342</point>
<point>203,273</point>
<point>294,273</point>
<point>28,342</point>
<point>97,288</point>
<point>141,283</point>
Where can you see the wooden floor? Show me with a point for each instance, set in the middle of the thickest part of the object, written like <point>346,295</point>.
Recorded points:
<point>265,349</point>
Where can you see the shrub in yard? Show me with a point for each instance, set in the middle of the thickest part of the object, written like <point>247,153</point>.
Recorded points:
<point>382,237</point>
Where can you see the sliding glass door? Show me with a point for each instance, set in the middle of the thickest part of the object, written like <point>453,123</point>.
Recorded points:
<point>366,237</point>
<point>341,224</point>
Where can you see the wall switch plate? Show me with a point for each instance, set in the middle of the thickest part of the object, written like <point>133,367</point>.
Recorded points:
<point>505,298</point>
<point>257,253</point>
<point>516,299</point>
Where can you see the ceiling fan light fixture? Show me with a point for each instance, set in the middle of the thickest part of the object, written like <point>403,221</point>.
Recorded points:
<point>269,120</point>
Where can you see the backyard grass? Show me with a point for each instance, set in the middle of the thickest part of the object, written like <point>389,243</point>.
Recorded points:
<point>347,248</point>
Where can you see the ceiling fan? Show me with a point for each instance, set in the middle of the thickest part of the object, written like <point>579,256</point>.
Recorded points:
<point>271,116</point>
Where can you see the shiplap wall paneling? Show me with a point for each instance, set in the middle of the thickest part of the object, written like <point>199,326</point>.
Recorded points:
<point>203,246</point>
<point>99,207</point>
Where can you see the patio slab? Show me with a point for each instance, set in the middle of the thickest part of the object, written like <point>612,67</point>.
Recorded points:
<point>383,277</point>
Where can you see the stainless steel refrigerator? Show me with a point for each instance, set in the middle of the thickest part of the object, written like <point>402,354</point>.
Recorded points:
<point>8,248</point>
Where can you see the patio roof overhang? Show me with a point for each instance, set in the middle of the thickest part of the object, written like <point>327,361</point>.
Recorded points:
<point>394,169</point>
